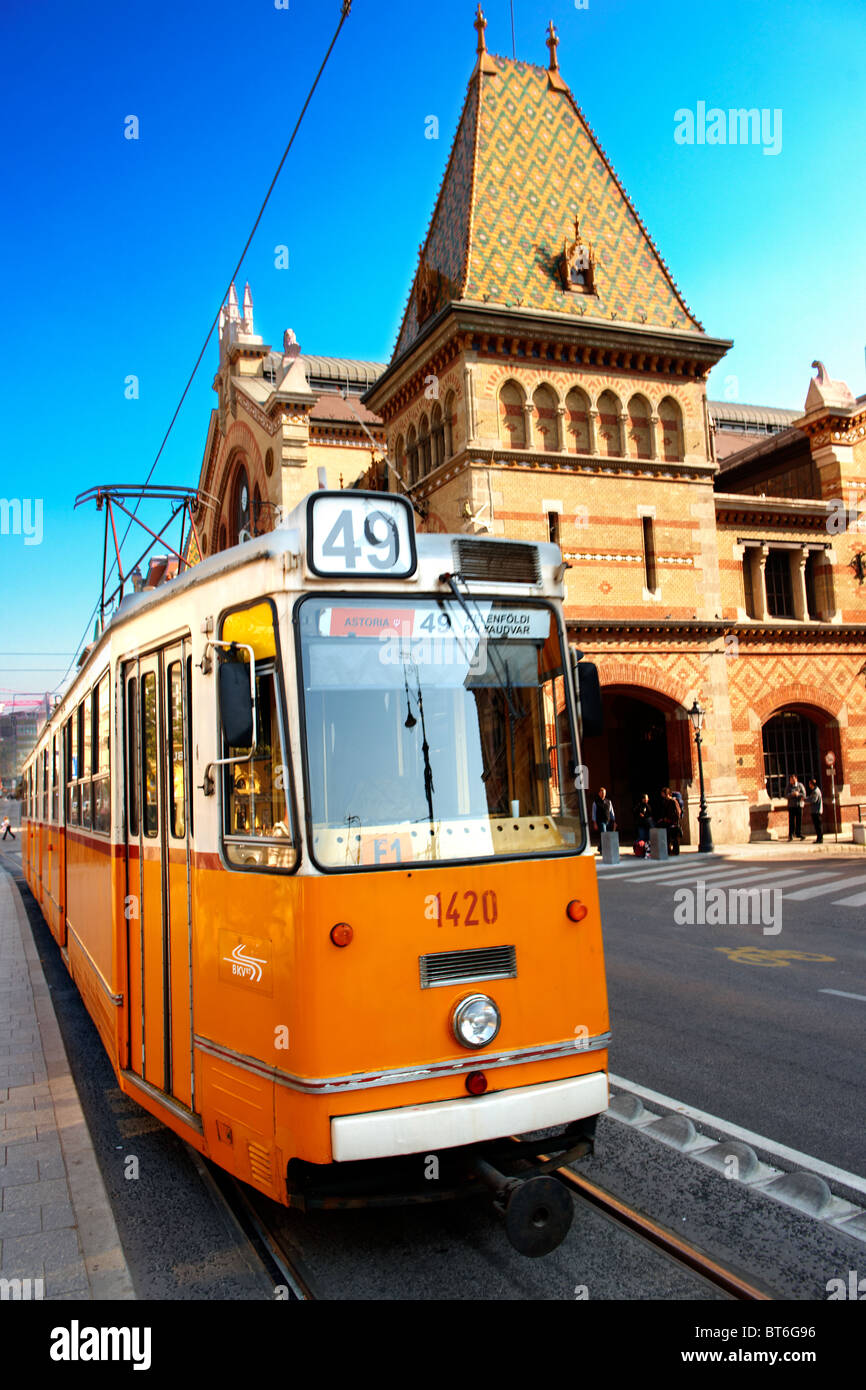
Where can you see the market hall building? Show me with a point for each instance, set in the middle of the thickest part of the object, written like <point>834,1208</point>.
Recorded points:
<point>549,383</point>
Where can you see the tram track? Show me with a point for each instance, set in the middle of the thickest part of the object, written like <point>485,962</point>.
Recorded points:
<point>673,1246</point>
<point>269,1228</point>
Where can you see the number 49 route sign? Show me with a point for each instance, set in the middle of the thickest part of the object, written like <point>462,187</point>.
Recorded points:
<point>360,535</point>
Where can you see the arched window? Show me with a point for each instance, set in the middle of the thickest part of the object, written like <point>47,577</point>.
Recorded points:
<point>450,420</point>
<point>671,419</point>
<point>512,419</point>
<point>790,745</point>
<point>577,439</point>
<point>259,523</point>
<point>412,473</point>
<point>437,437</point>
<point>609,426</point>
<point>639,428</point>
<point>241,511</point>
<point>546,419</point>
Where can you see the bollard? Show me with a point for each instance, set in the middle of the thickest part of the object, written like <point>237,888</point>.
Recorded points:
<point>610,846</point>
<point>658,844</point>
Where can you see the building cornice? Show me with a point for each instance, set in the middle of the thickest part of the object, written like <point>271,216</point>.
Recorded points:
<point>733,507</point>
<point>537,337</point>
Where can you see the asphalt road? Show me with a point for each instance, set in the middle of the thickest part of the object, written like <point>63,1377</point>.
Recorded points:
<point>747,1035</point>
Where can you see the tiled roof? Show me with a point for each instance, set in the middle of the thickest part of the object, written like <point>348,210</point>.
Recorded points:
<point>524,164</point>
<point>729,413</point>
<point>333,407</point>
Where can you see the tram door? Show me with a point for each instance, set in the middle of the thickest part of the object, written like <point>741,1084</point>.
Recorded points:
<point>157,709</point>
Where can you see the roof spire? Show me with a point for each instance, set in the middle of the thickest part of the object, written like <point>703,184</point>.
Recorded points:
<point>485,62</point>
<point>248,309</point>
<point>554,76</point>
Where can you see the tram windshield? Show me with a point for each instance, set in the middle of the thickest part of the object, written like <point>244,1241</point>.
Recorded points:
<point>436,731</point>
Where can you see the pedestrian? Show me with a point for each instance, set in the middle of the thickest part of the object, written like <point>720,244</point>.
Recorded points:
<point>816,807</point>
<point>796,794</point>
<point>643,818</point>
<point>7,828</point>
<point>670,817</point>
<point>603,817</point>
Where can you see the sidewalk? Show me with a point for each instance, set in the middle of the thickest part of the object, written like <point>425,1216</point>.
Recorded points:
<point>56,1224</point>
<point>755,849</point>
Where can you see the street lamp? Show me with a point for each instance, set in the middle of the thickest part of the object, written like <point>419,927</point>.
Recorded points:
<point>705,837</point>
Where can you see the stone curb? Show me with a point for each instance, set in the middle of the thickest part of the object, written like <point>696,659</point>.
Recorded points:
<point>805,1192</point>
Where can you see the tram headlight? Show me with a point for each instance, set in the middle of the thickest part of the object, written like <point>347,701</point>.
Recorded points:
<point>475,1021</point>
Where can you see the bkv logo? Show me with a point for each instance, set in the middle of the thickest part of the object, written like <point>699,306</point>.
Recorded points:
<point>854,1289</point>
<point>248,967</point>
<point>21,1290</point>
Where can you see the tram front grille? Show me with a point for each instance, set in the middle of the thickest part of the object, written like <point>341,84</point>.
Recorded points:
<point>462,967</point>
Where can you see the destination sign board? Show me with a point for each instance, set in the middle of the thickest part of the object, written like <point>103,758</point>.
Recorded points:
<point>356,535</point>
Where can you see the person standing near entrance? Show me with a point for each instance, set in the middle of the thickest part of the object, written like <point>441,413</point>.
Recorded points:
<point>603,817</point>
<point>7,828</point>
<point>670,817</point>
<point>816,806</point>
<point>796,794</point>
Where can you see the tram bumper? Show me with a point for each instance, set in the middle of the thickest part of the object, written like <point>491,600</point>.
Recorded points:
<point>412,1129</point>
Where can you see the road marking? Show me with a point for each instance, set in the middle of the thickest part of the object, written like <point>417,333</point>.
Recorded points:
<point>758,1141</point>
<point>843,994</point>
<point>658,872</point>
<point>757,955</point>
<point>824,888</point>
<point>857,901</point>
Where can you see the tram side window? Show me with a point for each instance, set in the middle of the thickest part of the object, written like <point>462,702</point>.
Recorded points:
<point>177,777</point>
<point>149,755</point>
<point>257,824</point>
<point>73,803</point>
<point>85,711</point>
<point>55,781</point>
<point>45,783</point>
<point>101,756</point>
<point>132,781</point>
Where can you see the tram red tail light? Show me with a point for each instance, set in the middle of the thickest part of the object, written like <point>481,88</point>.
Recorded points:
<point>476,1083</point>
<point>342,934</point>
<point>576,910</point>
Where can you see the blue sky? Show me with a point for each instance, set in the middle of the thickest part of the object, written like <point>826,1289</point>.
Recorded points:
<point>117,251</point>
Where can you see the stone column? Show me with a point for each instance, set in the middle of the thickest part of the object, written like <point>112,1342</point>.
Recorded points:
<point>799,559</point>
<point>529,424</point>
<point>469,387</point>
<point>561,442</point>
<point>759,590</point>
<point>654,438</point>
<point>623,434</point>
<point>592,426</point>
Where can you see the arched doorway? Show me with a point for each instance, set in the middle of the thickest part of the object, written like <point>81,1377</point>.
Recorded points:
<point>645,746</point>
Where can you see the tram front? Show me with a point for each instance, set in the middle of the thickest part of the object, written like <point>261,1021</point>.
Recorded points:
<point>447,934</point>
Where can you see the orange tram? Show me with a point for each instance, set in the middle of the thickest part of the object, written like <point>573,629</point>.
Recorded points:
<point>308,829</point>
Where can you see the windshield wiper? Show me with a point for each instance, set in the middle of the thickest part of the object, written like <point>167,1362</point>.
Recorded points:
<point>504,680</point>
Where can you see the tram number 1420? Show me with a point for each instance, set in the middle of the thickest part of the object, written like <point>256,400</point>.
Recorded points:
<point>463,909</point>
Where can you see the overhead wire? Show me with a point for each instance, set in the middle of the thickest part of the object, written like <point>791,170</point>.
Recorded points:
<point>345,10</point>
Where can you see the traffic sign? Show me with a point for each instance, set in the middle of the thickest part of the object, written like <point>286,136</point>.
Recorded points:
<point>830,759</point>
